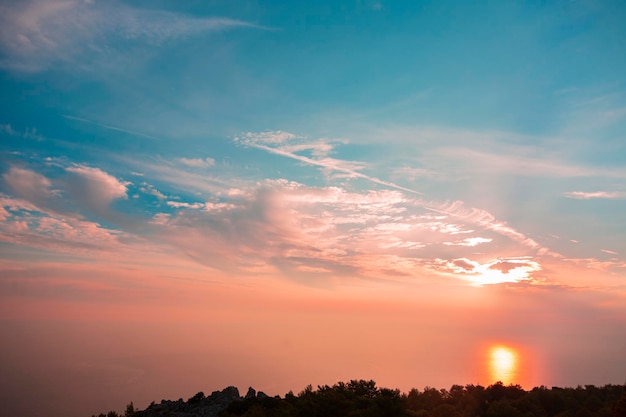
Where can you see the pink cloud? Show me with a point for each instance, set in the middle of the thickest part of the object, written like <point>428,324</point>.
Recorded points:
<point>489,272</point>
<point>3,214</point>
<point>464,264</point>
<point>299,228</point>
<point>290,227</point>
<point>609,266</point>
<point>506,266</point>
<point>28,185</point>
<point>30,226</point>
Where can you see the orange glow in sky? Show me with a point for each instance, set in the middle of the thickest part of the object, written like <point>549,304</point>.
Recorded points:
<point>503,364</point>
<point>196,195</point>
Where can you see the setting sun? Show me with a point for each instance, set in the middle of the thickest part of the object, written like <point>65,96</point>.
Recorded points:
<point>503,364</point>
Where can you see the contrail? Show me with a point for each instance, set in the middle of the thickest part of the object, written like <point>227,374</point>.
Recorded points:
<point>118,129</point>
<point>335,168</point>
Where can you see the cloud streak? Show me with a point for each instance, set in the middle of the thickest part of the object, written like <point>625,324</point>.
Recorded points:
<point>350,168</point>
<point>197,162</point>
<point>456,208</point>
<point>109,127</point>
<point>35,34</point>
<point>605,195</point>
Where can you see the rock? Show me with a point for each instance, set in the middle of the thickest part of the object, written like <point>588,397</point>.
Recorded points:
<point>197,406</point>
<point>251,393</point>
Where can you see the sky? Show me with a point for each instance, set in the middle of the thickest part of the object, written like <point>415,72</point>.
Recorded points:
<point>274,194</point>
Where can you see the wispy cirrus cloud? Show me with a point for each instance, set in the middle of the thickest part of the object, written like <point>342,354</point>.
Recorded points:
<point>351,169</point>
<point>197,162</point>
<point>178,175</point>
<point>35,34</point>
<point>28,133</point>
<point>513,161</point>
<point>484,219</point>
<point>151,190</point>
<point>589,195</point>
<point>457,208</point>
<point>453,154</point>
<point>108,126</point>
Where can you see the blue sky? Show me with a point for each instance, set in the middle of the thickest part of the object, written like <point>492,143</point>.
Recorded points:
<point>406,151</point>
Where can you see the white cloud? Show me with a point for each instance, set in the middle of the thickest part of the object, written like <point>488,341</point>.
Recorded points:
<point>149,189</point>
<point>484,219</point>
<point>503,270</point>
<point>95,190</point>
<point>582,195</point>
<point>197,162</point>
<point>37,33</point>
<point>178,204</point>
<point>470,241</point>
<point>267,138</point>
<point>412,173</point>
<point>6,128</point>
<point>319,148</point>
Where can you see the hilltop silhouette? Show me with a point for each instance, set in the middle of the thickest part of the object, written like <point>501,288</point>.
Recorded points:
<point>362,398</point>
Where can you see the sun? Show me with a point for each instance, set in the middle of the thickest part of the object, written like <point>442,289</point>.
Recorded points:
<point>503,364</point>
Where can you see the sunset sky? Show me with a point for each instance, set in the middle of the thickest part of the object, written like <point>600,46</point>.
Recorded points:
<point>273,194</point>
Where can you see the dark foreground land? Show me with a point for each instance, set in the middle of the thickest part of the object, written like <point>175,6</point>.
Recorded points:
<point>363,398</point>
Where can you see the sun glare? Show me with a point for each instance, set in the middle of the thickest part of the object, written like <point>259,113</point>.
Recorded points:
<point>503,364</point>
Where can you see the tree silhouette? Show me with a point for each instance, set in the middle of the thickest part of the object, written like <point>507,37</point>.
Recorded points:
<point>620,407</point>
<point>362,398</point>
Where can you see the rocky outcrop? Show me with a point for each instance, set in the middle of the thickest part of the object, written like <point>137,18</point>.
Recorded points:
<point>196,406</point>
<point>251,393</point>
